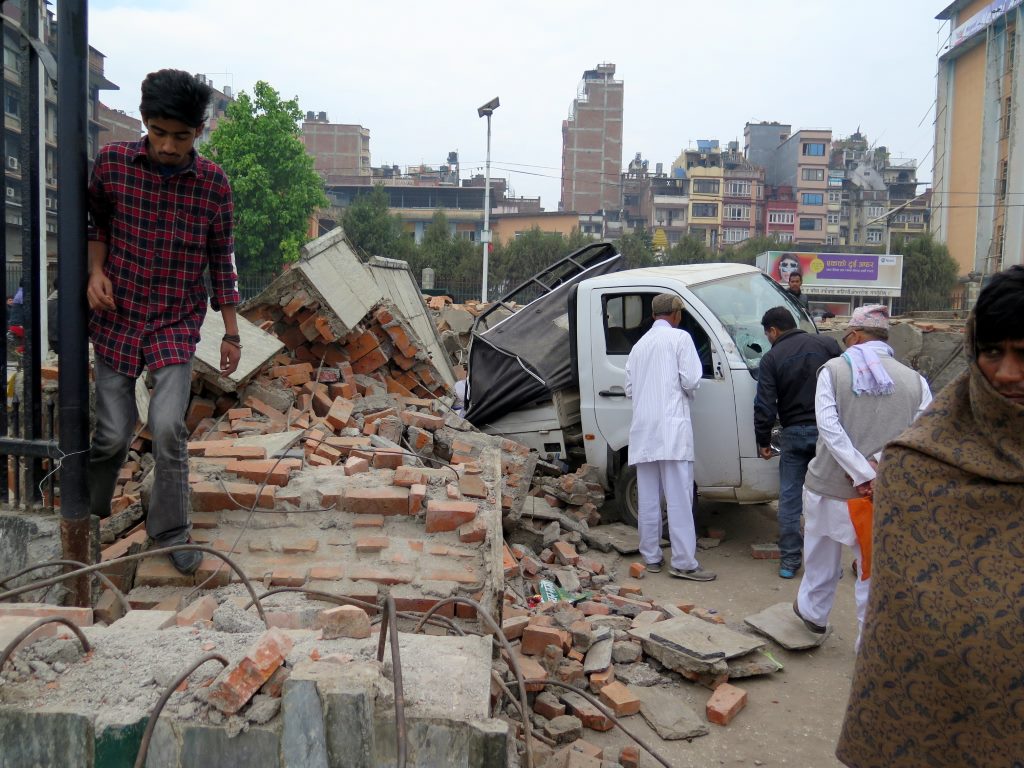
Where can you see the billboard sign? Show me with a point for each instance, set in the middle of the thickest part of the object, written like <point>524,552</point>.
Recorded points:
<point>981,20</point>
<point>837,274</point>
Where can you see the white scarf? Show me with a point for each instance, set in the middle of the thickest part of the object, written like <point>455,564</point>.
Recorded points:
<point>869,376</point>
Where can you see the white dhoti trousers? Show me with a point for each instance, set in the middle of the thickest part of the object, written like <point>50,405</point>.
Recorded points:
<point>672,480</point>
<point>827,529</point>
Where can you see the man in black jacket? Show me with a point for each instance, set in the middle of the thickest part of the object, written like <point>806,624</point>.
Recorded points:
<point>785,388</point>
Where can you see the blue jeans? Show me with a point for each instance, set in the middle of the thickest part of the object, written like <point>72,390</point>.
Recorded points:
<point>797,451</point>
<point>167,517</point>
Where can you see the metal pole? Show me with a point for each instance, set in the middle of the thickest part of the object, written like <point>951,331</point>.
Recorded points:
<point>72,275</point>
<point>486,237</point>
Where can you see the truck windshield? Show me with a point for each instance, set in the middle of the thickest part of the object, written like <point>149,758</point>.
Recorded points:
<point>739,303</point>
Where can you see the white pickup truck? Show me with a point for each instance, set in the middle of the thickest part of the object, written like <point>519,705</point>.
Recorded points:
<point>551,375</point>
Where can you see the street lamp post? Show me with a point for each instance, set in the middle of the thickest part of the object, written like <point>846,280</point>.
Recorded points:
<point>486,111</point>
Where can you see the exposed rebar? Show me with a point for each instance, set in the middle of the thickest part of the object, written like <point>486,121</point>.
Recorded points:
<point>482,613</point>
<point>606,712</point>
<point>99,574</point>
<point>140,759</point>
<point>25,633</point>
<point>396,675</point>
<point>140,556</point>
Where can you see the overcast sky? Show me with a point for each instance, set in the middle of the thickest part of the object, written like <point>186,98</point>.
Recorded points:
<point>413,73</point>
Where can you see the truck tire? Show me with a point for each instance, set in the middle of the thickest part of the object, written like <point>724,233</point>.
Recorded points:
<point>626,498</point>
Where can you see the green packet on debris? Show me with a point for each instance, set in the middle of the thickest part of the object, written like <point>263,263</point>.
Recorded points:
<point>549,593</point>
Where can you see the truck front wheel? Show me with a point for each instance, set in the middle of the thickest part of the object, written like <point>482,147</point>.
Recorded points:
<point>626,497</point>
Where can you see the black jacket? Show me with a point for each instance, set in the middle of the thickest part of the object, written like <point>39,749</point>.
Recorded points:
<point>801,299</point>
<point>786,381</point>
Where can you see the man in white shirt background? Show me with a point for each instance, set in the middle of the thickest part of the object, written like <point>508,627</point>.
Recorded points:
<point>863,399</point>
<point>662,372</point>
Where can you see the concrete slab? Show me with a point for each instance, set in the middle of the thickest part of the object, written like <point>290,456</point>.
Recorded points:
<point>784,627</point>
<point>258,347</point>
<point>445,677</point>
<point>665,712</point>
<point>622,538</point>
<point>698,639</point>
<point>333,270</point>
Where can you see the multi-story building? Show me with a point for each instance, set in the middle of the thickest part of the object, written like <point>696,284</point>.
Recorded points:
<point>742,197</point>
<point>760,140</point>
<point>339,150</point>
<point>592,144</point>
<point>801,162</point>
<point>670,205</point>
<point>116,125</point>
<point>979,142</point>
<point>16,142</point>
<point>703,168</point>
<point>780,213</point>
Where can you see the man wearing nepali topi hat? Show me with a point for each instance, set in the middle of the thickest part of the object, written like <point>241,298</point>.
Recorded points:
<point>863,399</point>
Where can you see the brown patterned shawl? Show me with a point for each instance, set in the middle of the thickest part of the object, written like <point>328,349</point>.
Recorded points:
<point>939,680</point>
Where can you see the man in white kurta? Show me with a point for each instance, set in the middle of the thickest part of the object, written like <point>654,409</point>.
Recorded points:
<point>662,372</point>
<point>863,400</point>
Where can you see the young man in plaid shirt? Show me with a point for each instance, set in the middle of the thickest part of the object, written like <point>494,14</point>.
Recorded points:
<point>161,216</point>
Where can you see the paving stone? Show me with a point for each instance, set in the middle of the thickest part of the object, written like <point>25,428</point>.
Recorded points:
<point>784,627</point>
<point>303,742</point>
<point>691,639</point>
<point>665,712</point>
<point>599,657</point>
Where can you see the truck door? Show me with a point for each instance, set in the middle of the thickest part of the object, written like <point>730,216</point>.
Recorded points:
<point>625,317</point>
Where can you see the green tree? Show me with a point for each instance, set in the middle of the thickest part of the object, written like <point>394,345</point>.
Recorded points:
<point>526,255</point>
<point>452,258</point>
<point>275,187</point>
<point>637,248</point>
<point>747,251</point>
<point>371,228</point>
<point>689,250</point>
<point>929,273</point>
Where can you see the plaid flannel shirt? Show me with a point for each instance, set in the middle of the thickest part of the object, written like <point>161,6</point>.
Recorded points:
<point>161,234</point>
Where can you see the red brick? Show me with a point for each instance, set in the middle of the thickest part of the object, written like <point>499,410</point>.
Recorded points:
<point>590,608</point>
<point>545,708</point>
<point>531,670</point>
<point>409,476</point>
<point>296,304</point>
<point>450,574</point>
<point>589,715</point>
<point>629,757</point>
<point>565,553</point>
<point>473,532</point>
<point>198,610</point>
<point>159,572</point>
<point>200,408</point>
<point>586,748</point>
<point>212,497</point>
<point>372,543</point>
<point>358,346</point>
<point>323,450</point>
<point>273,471</point>
<point>384,459</point>
<point>449,515</point>
<point>599,680</point>
<point>368,521</point>
<point>386,500</point>
<point>637,570</point>
<point>80,616</point>
<point>354,465</point>
<point>343,621</point>
<point>537,638</point>
<point>422,420</point>
<point>452,491</point>
<point>237,684</point>
<point>277,419</point>
<point>621,700</point>
<point>339,413</point>
<point>370,362</point>
<point>300,547</point>
<point>380,575</point>
<point>326,573</point>
<point>286,371</point>
<point>417,493</point>
<point>725,703</point>
<point>512,628</point>
<point>289,576</point>
<point>236,452</point>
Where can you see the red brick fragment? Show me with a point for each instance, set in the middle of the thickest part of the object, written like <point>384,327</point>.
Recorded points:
<point>725,703</point>
<point>449,515</point>
<point>235,685</point>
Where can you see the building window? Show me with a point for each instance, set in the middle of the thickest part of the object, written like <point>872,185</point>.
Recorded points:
<point>814,148</point>
<point>784,237</point>
<point>835,197</point>
<point>735,235</point>
<point>737,212</point>
<point>706,186</point>
<point>1007,111</point>
<point>874,236</point>
<point>812,174</point>
<point>830,239</point>
<point>876,211</point>
<point>812,198</point>
<point>833,218</point>
<point>1003,169</point>
<point>11,104</point>
<point>699,232</point>
<point>780,217</point>
<point>738,189</point>
<point>704,210</point>
<point>810,225</point>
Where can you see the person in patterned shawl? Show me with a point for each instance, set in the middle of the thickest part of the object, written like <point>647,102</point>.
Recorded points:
<point>939,679</point>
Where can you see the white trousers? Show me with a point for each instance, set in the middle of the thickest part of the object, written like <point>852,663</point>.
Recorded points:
<point>672,480</point>
<point>827,529</point>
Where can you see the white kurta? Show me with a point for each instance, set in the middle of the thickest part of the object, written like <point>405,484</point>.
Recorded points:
<point>827,526</point>
<point>662,373</point>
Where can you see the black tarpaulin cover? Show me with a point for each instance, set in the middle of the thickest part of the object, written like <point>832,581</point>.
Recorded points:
<point>525,357</point>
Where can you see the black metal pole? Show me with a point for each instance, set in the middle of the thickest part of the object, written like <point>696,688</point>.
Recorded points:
<point>72,275</point>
